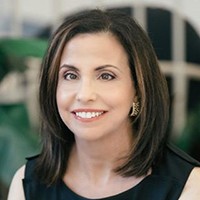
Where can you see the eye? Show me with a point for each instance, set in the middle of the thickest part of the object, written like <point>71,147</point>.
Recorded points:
<point>107,76</point>
<point>70,76</point>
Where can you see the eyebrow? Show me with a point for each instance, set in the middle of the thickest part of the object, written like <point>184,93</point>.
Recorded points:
<point>96,69</point>
<point>69,67</point>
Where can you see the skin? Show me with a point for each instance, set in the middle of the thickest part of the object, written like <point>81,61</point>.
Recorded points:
<point>95,77</point>
<point>86,84</point>
<point>16,191</point>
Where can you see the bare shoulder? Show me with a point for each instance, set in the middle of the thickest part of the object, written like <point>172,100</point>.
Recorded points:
<point>16,191</point>
<point>192,186</point>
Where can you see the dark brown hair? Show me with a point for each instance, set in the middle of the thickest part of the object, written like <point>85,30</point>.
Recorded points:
<point>150,124</point>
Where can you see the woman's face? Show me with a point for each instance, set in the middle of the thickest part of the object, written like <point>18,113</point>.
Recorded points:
<point>95,90</point>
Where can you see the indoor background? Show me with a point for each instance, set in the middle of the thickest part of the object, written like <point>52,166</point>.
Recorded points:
<point>26,25</point>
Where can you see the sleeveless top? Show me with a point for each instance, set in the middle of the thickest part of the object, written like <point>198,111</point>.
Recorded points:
<point>166,181</point>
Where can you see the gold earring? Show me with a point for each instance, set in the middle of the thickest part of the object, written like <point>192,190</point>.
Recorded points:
<point>135,109</point>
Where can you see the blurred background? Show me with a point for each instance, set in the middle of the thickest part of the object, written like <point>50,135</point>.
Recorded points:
<point>25,27</point>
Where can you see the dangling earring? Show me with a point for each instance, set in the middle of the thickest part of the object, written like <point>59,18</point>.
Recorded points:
<point>135,109</point>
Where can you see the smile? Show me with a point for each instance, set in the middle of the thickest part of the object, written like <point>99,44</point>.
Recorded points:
<point>88,115</point>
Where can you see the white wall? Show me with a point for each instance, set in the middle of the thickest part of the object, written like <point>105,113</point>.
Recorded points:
<point>49,11</point>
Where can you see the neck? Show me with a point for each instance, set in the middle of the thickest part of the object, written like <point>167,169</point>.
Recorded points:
<point>98,158</point>
<point>92,163</point>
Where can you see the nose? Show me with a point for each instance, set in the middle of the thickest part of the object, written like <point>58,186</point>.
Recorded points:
<point>86,91</point>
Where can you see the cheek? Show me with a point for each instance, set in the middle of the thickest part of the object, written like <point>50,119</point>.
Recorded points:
<point>122,99</point>
<point>63,104</point>
<point>59,97</point>
<point>62,98</point>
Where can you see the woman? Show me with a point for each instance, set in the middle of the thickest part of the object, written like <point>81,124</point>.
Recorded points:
<point>104,107</point>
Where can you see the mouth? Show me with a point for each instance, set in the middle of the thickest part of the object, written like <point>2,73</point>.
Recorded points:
<point>85,114</point>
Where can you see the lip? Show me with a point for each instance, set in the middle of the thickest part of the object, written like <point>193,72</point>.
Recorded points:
<point>92,119</point>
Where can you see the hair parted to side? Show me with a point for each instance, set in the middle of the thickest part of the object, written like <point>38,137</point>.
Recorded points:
<point>151,122</point>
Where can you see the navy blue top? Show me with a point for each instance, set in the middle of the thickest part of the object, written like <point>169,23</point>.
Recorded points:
<point>165,183</point>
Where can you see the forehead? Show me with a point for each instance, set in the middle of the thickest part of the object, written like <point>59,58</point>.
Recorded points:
<point>100,39</point>
<point>101,46</point>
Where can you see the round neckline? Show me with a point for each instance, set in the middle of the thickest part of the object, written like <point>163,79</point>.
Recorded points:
<point>120,194</point>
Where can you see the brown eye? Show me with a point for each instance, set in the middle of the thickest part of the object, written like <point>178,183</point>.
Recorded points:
<point>106,76</point>
<point>70,76</point>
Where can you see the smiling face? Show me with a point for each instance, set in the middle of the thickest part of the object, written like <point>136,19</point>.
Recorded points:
<point>95,90</point>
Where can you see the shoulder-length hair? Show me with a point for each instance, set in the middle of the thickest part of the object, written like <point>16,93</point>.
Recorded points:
<point>151,123</point>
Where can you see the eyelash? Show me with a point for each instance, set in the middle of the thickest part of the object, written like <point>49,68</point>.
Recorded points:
<point>104,76</point>
<point>111,77</point>
<point>70,74</point>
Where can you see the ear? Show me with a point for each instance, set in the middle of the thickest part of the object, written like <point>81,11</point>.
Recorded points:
<point>136,95</point>
<point>135,98</point>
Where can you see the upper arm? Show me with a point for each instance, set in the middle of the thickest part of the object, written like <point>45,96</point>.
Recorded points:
<point>16,191</point>
<point>192,186</point>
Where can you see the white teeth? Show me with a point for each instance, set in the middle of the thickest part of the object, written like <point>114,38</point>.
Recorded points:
<point>88,115</point>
